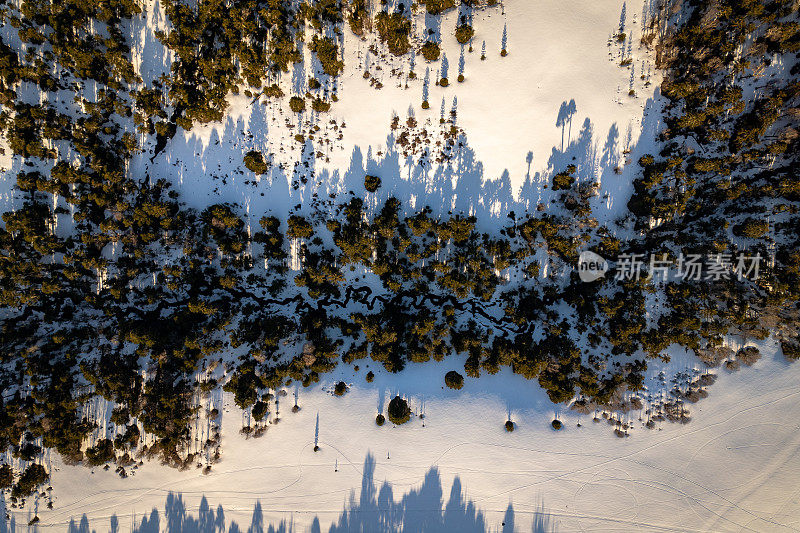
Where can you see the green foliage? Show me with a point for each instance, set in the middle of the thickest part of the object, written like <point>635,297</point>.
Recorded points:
<point>358,17</point>
<point>752,228</point>
<point>254,161</point>
<point>100,453</point>
<point>791,350</point>
<point>563,181</point>
<point>328,55</point>
<point>454,380</point>
<point>299,227</point>
<point>32,477</point>
<point>260,410</point>
<point>464,33</point>
<point>297,104</point>
<point>320,106</point>
<point>340,388</point>
<point>394,30</point>
<point>430,51</point>
<point>372,183</point>
<point>6,477</point>
<point>399,412</point>
<point>437,7</point>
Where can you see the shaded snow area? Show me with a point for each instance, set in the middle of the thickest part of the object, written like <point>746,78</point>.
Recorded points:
<point>733,468</point>
<point>561,96</point>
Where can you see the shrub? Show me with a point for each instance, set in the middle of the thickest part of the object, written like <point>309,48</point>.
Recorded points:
<point>380,419</point>
<point>273,91</point>
<point>358,16</point>
<point>430,51</point>
<point>460,78</point>
<point>437,7</point>
<point>562,181</point>
<point>372,183</point>
<point>370,376</point>
<point>556,424</point>
<point>328,55</point>
<point>340,388</point>
<point>32,477</point>
<point>260,410</point>
<point>120,415</point>
<point>6,477</point>
<point>394,30</point>
<point>102,452</point>
<point>320,106</point>
<point>299,227</point>
<point>464,33</point>
<point>254,162</point>
<point>791,350</point>
<point>297,104</point>
<point>454,380</point>
<point>399,412</point>
<point>751,228</point>
<point>748,355</point>
<point>509,425</point>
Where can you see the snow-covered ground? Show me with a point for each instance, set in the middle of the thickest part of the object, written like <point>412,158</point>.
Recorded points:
<point>733,468</point>
<point>563,66</point>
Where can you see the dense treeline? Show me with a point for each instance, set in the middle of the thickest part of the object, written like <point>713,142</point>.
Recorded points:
<point>112,287</point>
<point>726,179</point>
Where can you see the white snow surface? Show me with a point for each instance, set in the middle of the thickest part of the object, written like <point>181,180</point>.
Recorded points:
<point>561,56</point>
<point>732,468</point>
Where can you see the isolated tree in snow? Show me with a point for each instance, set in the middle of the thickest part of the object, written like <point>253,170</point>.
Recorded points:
<point>504,42</point>
<point>483,51</point>
<point>464,33</point>
<point>297,104</point>
<point>340,388</point>
<point>399,412</point>
<point>254,161</point>
<point>430,51</point>
<point>443,71</point>
<point>454,380</point>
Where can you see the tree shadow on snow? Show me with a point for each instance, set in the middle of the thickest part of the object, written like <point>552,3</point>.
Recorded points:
<point>422,509</point>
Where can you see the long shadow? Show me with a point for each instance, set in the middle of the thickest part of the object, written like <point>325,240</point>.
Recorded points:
<point>376,509</point>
